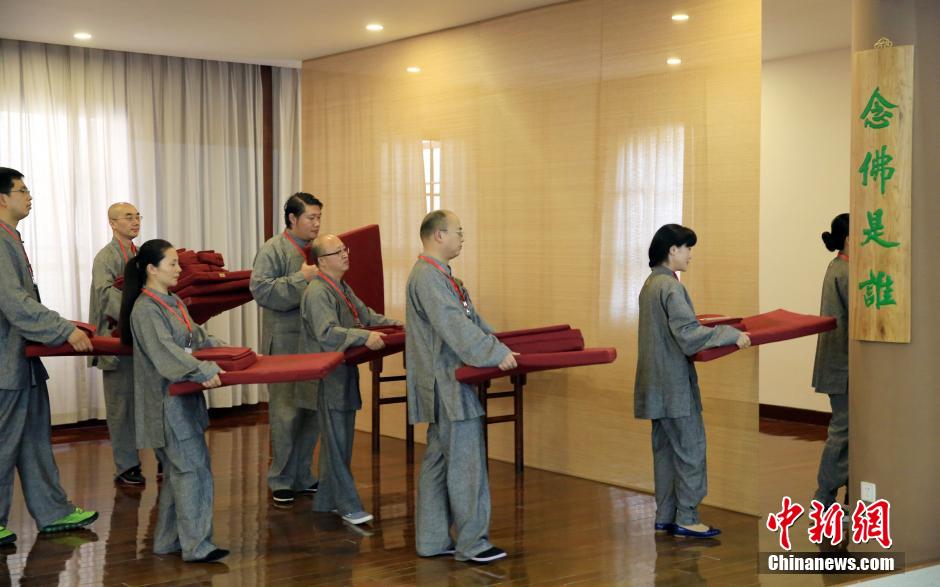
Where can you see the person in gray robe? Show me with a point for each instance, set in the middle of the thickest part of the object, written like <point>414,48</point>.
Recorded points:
<point>117,372</point>
<point>666,389</point>
<point>24,399</point>
<point>278,279</point>
<point>164,336</point>
<point>444,332</point>
<point>831,368</point>
<point>335,319</point>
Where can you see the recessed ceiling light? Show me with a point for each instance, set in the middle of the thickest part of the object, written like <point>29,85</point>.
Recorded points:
<point>673,61</point>
<point>82,36</point>
<point>375,27</point>
<point>680,17</point>
<point>413,69</point>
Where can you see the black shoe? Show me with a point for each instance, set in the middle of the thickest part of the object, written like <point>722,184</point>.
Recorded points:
<point>490,555</point>
<point>310,490</point>
<point>215,555</point>
<point>283,496</point>
<point>682,531</point>
<point>131,477</point>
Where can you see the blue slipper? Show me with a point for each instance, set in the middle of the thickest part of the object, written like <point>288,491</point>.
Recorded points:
<point>710,533</point>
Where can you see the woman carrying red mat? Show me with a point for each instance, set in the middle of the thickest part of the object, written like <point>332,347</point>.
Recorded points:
<point>164,336</point>
<point>666,389</point>
<point>831,370</point>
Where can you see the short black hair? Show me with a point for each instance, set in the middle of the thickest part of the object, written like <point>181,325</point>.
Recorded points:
<point>297,203</point>
<point>835,240</point>
<point>668,236</point>
<point>433,221</point>
<point>7,175</point>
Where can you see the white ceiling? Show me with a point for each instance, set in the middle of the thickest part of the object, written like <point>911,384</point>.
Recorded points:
<point>285,32</point>
<point>271,32</point>
<point>794,27</point>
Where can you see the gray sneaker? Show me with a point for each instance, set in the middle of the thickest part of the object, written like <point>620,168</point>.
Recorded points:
<point>356,517</point>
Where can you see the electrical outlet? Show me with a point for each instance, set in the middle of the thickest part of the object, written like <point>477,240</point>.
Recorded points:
<point>868,492</point>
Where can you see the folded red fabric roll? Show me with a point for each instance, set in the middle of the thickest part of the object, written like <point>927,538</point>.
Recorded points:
<point>394,343</point>
<point>201,308</point>
<point>716,319</point>
<point>208,289</point>
<point>218,276</point>
<point>210,258</point>
<point>772,327</point>
<point>198,268</point>
<point>365,275</point>
<point>273,369</point>
<point>229,358</point>
<point>570,340</point>
<point>85,327</point>
<point>101,345</point>
<point>187,258</point>
<point>530,331</point>
<point>539,362</point>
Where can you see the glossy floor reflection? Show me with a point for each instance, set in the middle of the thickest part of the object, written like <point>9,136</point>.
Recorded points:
<point>557,529</point>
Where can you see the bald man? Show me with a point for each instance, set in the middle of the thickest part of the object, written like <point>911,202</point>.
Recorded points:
<point>104,313</point>
<point>445,332</point>
<point>335,319</point>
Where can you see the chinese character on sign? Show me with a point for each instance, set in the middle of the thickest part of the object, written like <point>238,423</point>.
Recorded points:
<point>876,165</point>
<point>826,524</point>
<point>876,229</point>
<point>879,290</point>
<point>872,523</point>
<point>782,520</point>
<point>877,113</point>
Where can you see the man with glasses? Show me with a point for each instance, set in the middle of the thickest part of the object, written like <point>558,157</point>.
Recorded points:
<point>280,274</point>
<point>25,423</point>
<point>445,332</point>
<point>333,320</point>
<point>105,312</point>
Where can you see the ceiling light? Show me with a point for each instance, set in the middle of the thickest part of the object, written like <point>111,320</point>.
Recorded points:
<point>82,36</point>
<point>680,17</point>
<point>375,27</point>
<point>673,61</point>
<point>413,69</point>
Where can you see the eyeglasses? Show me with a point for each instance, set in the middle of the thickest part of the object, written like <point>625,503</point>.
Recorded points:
<point>129,217</point>
<point>343,250</point>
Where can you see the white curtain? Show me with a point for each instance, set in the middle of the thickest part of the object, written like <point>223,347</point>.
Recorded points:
<point>179,138</point>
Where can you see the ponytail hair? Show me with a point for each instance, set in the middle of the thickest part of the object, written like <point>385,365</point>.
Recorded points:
<point>835,240</point>
<point>135,277</point>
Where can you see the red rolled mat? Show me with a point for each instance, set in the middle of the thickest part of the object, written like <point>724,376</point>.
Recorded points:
<point>187,257</point>
<point>197,267</point>
<point>556,344</point>
<point>772,327</point>
<point>208,289</point>
<point>220,276</point>
<point>273,369</point>
<point>365,275</point>
<point>210,258</point>
<point>201,308</point>
<point>394,343</point>
<point>530,331</point>
<point>539,362</point>
<point>542,336</point>
<point>85,327</point>
<point>229,358</point>
<point>101,345</point>
<point>716,319</point>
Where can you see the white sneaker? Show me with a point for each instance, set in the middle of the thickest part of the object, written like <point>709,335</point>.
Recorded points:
<point>356,517</point>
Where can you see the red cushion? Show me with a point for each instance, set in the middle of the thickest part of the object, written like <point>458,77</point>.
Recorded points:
<point>197,267</point>
<point>235,358</point>
<point>201,308</point>
<point>205,289</point>
<point>273,369</point>
<point>539,362</point>
<point>187,258</point>
<point>211,258</point>
<point>772,327</point>
<point>530,331</point>
<point>394,343</point>
<point>101,345</point>
<point>365,274</point>
<point>220,276</point>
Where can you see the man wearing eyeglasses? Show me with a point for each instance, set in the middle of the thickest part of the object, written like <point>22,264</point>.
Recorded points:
<point>24,399</point>
<point>333,320</point>
<point>445,332</point>
<point>117,372</point>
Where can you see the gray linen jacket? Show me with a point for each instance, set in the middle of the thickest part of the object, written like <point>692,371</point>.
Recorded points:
<point>105,299</point>
<point>831,369</point>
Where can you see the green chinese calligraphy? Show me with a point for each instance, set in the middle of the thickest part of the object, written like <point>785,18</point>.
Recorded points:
<point>879,290</point>
<point>877,112</point>
<point>876,165</point>
<point>876,229</point>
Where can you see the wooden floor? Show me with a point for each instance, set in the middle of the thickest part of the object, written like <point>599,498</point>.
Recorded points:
<point>558,530</point>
